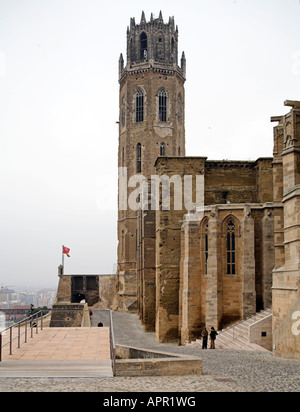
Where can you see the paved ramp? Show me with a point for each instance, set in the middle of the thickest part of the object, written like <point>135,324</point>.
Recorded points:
<point>56,369</point>
<point>61,352</point>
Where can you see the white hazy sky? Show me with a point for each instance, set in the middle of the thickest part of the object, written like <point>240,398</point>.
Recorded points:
<point>59,107</point>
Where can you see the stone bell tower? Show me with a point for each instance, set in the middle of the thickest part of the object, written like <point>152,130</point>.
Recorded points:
<point>151,124</point>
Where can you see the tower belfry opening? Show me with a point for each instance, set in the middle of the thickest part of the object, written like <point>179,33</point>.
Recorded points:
<point>144,46</point>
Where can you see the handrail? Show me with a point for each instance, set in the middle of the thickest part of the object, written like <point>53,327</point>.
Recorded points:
<point>33,321</point>
<point>112,344</point>
<point>242,321</point>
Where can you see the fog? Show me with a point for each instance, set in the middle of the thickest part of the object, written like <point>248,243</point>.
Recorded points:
<point>59,107</point>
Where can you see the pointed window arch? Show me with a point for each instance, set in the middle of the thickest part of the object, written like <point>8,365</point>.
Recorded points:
<point>172,49</point>
<point>160,46</point>
<point>162,149</point>
<point>139,158</point>
<point>162,105</point>
<point>131,51</point>
<point>231,247</point>
<point>139,106</point>
<point>144,46</point>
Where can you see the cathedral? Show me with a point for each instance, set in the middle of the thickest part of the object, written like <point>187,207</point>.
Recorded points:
<point>200,242</point>
<point>219,260</point>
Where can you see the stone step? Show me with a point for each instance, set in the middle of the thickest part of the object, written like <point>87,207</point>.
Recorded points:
<point>227,343</point>
<point>56,369</point>
<point>237,336</point>
<point>240,343</point>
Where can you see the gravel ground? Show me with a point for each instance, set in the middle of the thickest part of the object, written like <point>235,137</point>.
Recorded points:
<point>223,370</point>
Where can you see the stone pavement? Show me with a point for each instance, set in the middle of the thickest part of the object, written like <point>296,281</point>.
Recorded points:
<point>63,344</point>
<point>60,352</point>
<point>223,370</point>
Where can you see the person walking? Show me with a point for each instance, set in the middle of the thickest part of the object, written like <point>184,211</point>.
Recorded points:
<point>204,336</point>
<point>213,335</point>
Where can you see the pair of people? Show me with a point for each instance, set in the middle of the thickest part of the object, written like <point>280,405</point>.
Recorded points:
<point>213,335</point>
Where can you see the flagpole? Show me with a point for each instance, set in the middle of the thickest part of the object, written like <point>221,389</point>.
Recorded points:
<point>63,258</point>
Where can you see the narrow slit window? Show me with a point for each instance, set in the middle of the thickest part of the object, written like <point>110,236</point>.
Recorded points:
<point>139,106</point>
<point>139,158</point>
<point>123,244</point>
<point>162,115</point>
<point>162,149</point>
<point>123,111</point>
<point>231,248</point>
<point>179,109</point>
<point>206,248</point>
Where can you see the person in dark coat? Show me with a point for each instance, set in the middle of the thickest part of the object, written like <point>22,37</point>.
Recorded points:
<point>213,335</point>
<point>204,336</point>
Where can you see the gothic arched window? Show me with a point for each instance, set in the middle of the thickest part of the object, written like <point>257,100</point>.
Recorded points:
<point>144,46</point>
<point>139,106</point>
<point>231,247</point>
<point>172,49</point>
<point>160,52</point>
<point>162,106</point>
<point>139,158</point>
<point>162,149</point>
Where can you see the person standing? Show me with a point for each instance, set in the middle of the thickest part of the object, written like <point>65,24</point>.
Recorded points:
<point>204,336</point>
<point>213,336</point>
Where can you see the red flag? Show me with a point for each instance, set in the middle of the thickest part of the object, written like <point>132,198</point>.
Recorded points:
<point>66,251</point>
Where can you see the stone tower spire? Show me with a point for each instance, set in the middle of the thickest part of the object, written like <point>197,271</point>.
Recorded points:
<point>152,102</point>
<point>154,41</point>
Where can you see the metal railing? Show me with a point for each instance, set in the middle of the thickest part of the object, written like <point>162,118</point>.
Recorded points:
<point>112,343</point>
<point>35,322</point>
<point>237,324</point>
<point>24,327</point>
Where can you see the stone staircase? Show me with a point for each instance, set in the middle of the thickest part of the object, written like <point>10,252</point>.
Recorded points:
<point>236,337</point>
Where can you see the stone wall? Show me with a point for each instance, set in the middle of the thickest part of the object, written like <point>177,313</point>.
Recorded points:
<point>286,275</point>
<point>140,362</point>
<point>69,315</point>
<point>96,290</point>
<point>108,298</point>
<point>208,294</point>
<point>238,181</point>
<point>261,333</point>
<point>168,248</point>
<point>194,299</point>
